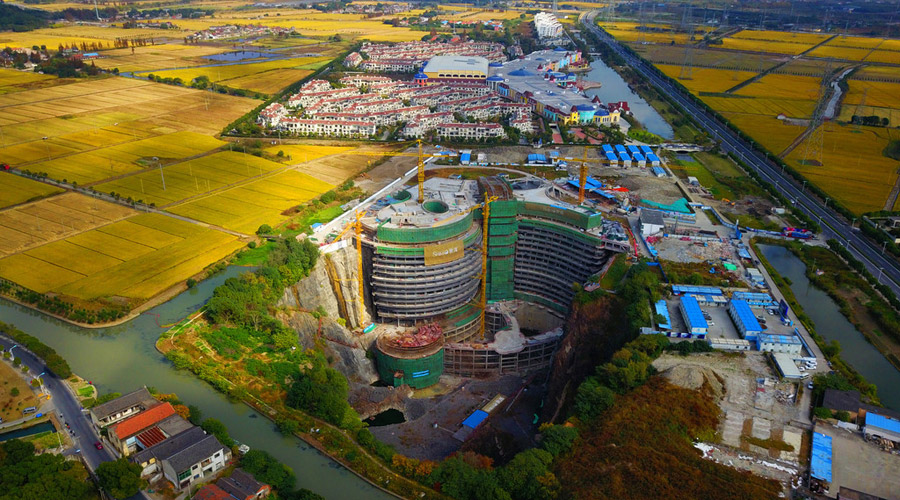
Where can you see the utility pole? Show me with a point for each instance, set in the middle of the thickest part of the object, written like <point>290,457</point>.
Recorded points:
<point>161,174</point>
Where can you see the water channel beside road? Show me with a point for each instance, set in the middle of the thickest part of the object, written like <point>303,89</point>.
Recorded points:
<point>832,325</point>
<point>123,358</point>
<point>613,89</point>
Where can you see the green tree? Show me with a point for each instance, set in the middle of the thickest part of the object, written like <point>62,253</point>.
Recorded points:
<point>592,399</point>
<point>821,412</point>
<point>267,469</point>
<point>264,229</point>
<point>462,481</point>
<point>120,478</point>
<point>527,477</point>
<point>14,392</point>
<point>557,439</point>
<point>195,415</point>
<point>321,391</point>
<point>217,429</point>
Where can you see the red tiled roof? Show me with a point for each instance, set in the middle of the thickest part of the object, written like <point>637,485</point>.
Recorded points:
<point>212,492</point>
<point>141,421</point>
<point>151,436</point>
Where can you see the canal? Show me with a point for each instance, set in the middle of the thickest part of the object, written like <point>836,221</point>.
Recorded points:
<point>613,88</point>
<point>832,325</point>
<point>123,358</point>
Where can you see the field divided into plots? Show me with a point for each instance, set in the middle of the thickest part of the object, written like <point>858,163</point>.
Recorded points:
<point>135,258</point>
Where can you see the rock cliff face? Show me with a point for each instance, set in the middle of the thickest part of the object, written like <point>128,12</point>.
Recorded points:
<point>340,345</point>
<point>332,284</point>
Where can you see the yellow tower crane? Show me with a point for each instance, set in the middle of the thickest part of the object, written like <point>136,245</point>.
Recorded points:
<point>359,267</point>
<point>486,214</point>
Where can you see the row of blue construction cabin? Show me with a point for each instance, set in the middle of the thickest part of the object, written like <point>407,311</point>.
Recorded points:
<point>642,155</point>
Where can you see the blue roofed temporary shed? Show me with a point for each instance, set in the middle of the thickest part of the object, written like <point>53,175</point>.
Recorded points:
<point>703,290</point>
<point>607,148</point>
<point>537,158</point>
<point>693,315</point>
<point>744,319</point>
<point>625,157</point>
<point>639,158</point>
<point>646,149</point>
<point>653,159</point>
<point>820,462</point>
<point>633,149</point>
<point>663,311</point>
<point>465,158</point>
<point>755,298</point>
<point>611,157</point>
<point>880,425</point>
<point>658,171</point>
<point>475,419</point>
<point>620,149</point>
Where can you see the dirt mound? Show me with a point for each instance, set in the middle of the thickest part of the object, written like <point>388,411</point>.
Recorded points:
<point>694,377</point>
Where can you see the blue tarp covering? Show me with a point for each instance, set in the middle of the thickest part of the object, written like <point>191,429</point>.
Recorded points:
<point>465,157</point>
<point>881,422</point>
<point>679,205</point>
<point>703,290</point>
<point>662,310</point>
<point>744,253</point>
<point>316,225</point>
<point>820,462</point>
<point>694,314</point>
<point>646,149</point>
<point>475,419</point>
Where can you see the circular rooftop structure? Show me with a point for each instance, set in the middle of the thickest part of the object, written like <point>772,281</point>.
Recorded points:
<point>401,196</point>
<point>435,207</point>
<point>495,78</point>
<point>521,72</point>
<point>496,64</point>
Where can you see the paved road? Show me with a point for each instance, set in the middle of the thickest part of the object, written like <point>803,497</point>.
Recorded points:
<point>63,401</point>
<point>833,225</point>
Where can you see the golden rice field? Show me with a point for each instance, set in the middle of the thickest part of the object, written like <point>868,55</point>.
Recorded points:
<point>878,71</point>
<point>245,207</point>
<point>792,108</point>
<point>854,41</point>
<point>12,80</point>
<point>222,73</point>
<point>879,94</point>
<point>854,171</point>
<point>15,189</point>
<point>74,34</point>
<point>891,114</point>
<point>268,82</point>
<point>135,258</point>
<point>884,56</point>
<point>95,165</point>
<point>851,53</point>
<point>26,226</point>
<point>784,86</point>
<point>756,45</point>
<point>190,178</point>
<point>774,134</point>
<point>707,79</point>
<point>299,153</point>
<point>327,164</point>
<point>154,57</point>
<point>781,36</point>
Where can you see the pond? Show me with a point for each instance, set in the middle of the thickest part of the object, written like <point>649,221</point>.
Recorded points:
<point>123,358</point>
<point>239,55</point>
<point>615,89</point>
<point>28,431</point>
<point>832,325</point>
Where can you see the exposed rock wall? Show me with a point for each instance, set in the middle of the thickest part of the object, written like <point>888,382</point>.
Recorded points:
<point>333,284</point>
<point>340,345</point>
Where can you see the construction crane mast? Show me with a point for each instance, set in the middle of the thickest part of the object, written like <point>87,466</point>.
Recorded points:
<point>359,268</point>
<point>486,214</point>
<point>582,178</point>
<point>421,174</point>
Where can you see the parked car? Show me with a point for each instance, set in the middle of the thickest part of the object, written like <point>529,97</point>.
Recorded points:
<point>98,445</point>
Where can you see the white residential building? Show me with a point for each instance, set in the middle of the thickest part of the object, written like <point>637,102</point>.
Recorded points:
<point>547,26</point>
<point>476,131</point>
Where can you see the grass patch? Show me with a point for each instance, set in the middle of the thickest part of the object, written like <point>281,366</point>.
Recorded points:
<point>44,440</point>
<point>892,150</point>
<point>321,216</point>
<point>615,273</point>
<point>254,256</point>
<point>86,391</point>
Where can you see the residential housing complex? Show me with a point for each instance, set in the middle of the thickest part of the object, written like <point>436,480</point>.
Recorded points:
<point>408,57</point>
<point>365,102</point>
<point>163,443</point>
<point>238,486</point>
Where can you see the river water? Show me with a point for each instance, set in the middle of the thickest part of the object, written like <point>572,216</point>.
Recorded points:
<point>832,325</point>
<point>615,89</point>
<point>123,358</point>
